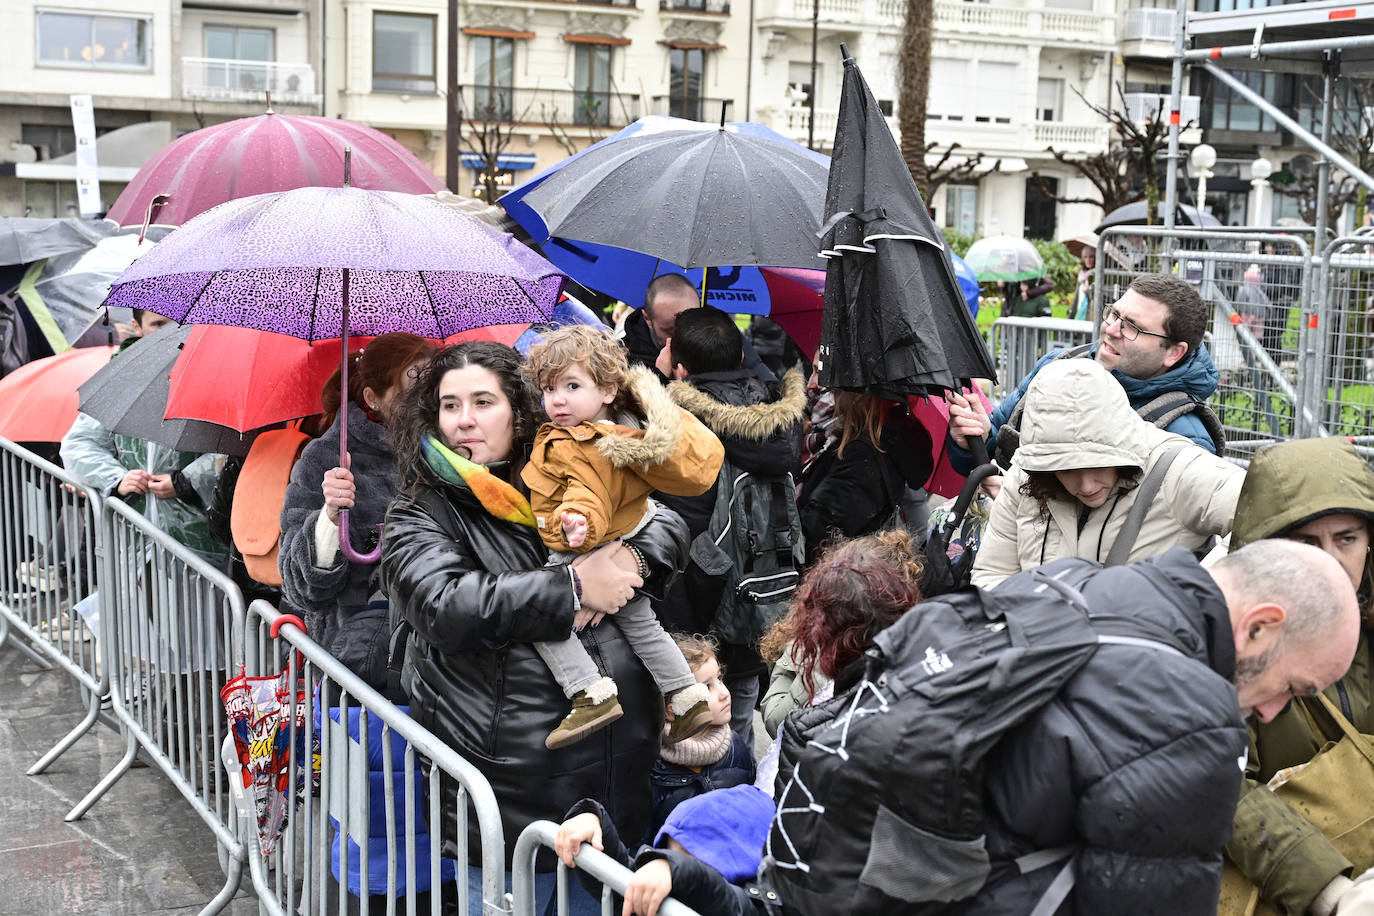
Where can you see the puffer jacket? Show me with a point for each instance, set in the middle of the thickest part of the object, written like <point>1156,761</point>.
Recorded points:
<point>341,601</point>
<point>1196,375</point>
<point>858,493</point>
<point>478,595</point>
<point>760,426</point>
<point>1289,485</point>
<point>1077,416</point>
<point>1134,763</point>
<point>674,784</point>
<point>605,472</point>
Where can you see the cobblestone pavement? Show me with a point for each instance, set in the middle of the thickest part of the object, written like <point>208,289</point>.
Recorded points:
<point>141,849</point>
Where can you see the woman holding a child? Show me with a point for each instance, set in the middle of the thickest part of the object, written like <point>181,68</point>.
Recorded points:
<point>464,563</point>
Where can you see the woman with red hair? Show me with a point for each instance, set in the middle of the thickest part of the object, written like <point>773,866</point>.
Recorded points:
<point>855,590</point>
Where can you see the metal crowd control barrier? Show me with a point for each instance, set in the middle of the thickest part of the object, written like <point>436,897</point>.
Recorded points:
<point>380,776</point>
<point>1265,303</point>
<point>173,629</point>
<point>612,875</point>
<point>1344,398</point>
<point>49,542</point>
<point>1017,343</point>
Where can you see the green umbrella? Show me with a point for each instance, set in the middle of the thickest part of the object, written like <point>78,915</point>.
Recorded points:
<point>1004,258</point>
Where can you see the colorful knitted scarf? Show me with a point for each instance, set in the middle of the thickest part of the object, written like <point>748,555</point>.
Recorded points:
<point>499,498</point>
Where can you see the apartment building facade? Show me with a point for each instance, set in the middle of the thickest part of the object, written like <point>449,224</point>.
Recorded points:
<point>154,68</point>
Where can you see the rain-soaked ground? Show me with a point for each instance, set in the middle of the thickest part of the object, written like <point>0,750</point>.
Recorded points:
<point>141,849</point>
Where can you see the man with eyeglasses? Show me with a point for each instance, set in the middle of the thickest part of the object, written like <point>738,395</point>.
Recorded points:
<point>1150,339</point>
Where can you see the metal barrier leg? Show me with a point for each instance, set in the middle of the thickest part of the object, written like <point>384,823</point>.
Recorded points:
<point>24,648</point>
<point>60,748</point>
<point>233,877</point>
<point>130,749</point>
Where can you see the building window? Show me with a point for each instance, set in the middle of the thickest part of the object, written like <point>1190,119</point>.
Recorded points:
<point>48,141</point>
<point>1041,208</point>
<point>949,89</point>
<point>799,79</point>
<point>238,57</point>
<point>993,104</point>
<point>96,42</point>
<point>403,55</point>
<point>686,67</point>
<point>1229,111</point>
<point>961,206</point>
<point>1049,100</point>
<point>592,80</point>
<point>494,70</point>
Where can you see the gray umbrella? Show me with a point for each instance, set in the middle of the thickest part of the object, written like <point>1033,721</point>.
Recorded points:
<point>129,397</point>
<point>695,198</point>
<point>27,239</point>
<point>1134,215</point>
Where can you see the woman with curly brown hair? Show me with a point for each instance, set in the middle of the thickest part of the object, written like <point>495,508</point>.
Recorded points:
<point>1084,456</point>
<point>854,591</point>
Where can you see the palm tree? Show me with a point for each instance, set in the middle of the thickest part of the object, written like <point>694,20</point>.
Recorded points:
<point>913,69</point>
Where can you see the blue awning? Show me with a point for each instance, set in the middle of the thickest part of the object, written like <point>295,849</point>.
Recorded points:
<point>510,162</point>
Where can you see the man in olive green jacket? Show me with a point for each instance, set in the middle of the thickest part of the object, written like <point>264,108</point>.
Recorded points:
<point>1322,492</point>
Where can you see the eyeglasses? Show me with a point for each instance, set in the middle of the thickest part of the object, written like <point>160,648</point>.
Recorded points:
<point>1129,329</point>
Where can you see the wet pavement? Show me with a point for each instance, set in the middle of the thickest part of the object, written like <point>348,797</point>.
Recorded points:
<point>141,849</point>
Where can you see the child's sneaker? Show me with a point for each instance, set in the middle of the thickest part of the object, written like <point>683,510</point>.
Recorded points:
<point>691,712</point>
<point>592,709</point>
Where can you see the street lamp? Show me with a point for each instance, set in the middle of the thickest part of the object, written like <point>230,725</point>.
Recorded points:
<point>1260,170</point>
<point>1202,158</point>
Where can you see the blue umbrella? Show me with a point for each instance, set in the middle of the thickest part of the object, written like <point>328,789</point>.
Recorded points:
<point>625,275</point>
<point>968,282</point>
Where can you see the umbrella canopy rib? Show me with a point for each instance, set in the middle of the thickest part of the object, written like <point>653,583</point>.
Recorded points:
<point>433,307</point>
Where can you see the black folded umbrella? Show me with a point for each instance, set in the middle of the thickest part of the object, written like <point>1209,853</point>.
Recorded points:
<point>895,322</point>
<point>129,397</point>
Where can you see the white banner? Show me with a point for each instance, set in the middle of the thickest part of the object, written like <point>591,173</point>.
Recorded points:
<point>87,172</point>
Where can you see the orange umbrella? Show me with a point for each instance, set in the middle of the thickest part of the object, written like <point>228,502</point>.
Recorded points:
<point>38,400</point>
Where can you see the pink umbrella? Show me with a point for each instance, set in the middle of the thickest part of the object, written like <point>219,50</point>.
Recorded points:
<point>270,152</point>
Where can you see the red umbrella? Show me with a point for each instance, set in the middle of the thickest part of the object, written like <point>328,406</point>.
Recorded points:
<point>38,400</point>
<point>933,414</point>
<point>246,379</point>
<point>270,152</point>
<point>795,299</point>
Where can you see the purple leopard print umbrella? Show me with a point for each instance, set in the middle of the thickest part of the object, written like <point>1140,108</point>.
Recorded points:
<point>320,263</point>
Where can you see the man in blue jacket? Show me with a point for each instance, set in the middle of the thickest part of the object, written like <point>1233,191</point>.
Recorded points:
<point>1150,339</point>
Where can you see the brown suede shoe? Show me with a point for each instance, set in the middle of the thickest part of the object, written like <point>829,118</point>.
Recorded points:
<point>692,722</point>
<point>586,717</point>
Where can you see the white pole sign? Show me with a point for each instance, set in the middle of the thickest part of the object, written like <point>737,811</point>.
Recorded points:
<point>87,172</point>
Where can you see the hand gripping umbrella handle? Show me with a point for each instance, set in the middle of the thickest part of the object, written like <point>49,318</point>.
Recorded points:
<point>346,545</point>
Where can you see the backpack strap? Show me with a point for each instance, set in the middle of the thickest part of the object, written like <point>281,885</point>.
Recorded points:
<point>1144,498</point>
<point>1171,405</point>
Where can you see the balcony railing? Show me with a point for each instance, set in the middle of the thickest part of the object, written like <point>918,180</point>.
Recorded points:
<point>846,10</point>
<point>693,108</point>
<point>222,79</point>
<point>694,6</point>
<point>1147,106</point>
<point>1090,138</point>
<point>1148,24</point>
<point>566,107</point>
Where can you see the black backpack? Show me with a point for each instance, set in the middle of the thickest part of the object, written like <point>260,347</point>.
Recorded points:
<point>880,789</point>
<point>753,547</point>
<point>1160,411</point>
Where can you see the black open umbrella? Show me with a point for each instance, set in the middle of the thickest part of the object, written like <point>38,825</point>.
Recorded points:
<point>709,197</point>
<point>895,322</point>
<point>1134,215</point>
<point>129,396</point>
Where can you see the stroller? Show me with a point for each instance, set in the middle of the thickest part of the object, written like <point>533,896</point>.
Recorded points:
<point>942,574</point>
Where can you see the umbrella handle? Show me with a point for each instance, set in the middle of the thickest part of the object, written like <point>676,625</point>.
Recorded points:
<point>978,447</point>
<point>346,546</point>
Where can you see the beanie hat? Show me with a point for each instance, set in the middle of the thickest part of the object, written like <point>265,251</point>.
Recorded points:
<point>724,828</point>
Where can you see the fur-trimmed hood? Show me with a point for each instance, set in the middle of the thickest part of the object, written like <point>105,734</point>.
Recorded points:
<point>752,421</point>
<point>626,447</point>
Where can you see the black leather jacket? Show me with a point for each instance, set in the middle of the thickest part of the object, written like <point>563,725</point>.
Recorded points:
<point>477,593</point>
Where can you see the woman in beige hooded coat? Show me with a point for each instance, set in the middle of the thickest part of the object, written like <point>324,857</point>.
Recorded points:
<point>1083,454</point>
